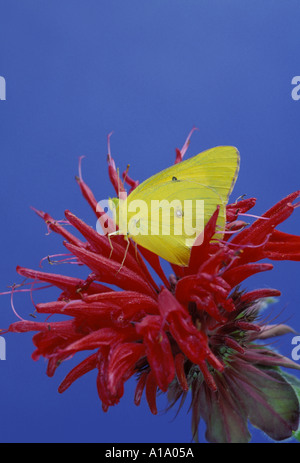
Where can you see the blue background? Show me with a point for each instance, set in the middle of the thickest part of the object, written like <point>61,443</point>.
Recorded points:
<point>149,71</point>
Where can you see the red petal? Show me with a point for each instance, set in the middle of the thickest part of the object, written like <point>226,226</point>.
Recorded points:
<point>69,284</point>
<point>151,388</point>
<point>181,153</point>
<point>102,337</point>
<point>259,294</point>
<point>256,233</point>
<point>240,207</point>
<point>140,388</point>
<point>81,369</point>
<point>158,350</point>
<point>114,250</point>
<point>191,341</point>
<point>110,271</point>
<point>54,226</point>
<point>199,253</point>
<point>179,366</point>
<point>122,364</point>
<point>236,275</point>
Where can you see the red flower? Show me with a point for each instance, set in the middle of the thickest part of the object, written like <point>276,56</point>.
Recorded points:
<point>197,331</point>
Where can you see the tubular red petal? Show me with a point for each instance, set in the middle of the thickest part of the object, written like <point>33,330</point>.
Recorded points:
<point>282,203</point>
<point>233,210</point>
<point>247,326</point>
<point>151,388</point>
<point>283,246</point>
<point>208,377</point>
<point>192,342</point>
<point>112,250</point>
<point>233,344</point>
<point>103,391</point>
<point>281,237</point>
<point>114,175</point>
<point>66,283</point>
<point>283,256</point>
<point>101,244</point>
<point>185,288</point>
<point>259,294</point>
<point>80,308</point>
<point>102,337</point>
<point>123,298</point>
<point>236,275</point>
<point>132,183</point>
<point>54,226</point>
<point>88,195</point>
<point>215,362</point>
<point>97,209</point>
<point>27,325</point>
<point>140,388</point>
<point>158,351</point>
<point>260,228</point>
<point>168,304</point>
<point>66,234</point>
<point>81,369</point>
<point>110,271</point>
<point>208,305</point>
<point>179,367</point>
<point>200,253</point>
<point>181,153</point>
<point>122,364</point>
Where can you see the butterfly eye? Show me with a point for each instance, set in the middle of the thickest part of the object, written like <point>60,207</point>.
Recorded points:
<point>174,179</point>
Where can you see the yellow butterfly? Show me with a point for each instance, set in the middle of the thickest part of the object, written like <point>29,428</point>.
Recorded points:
<point>167,212</point>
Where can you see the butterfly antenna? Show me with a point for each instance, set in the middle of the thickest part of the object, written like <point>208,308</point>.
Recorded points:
<point>118,176</point>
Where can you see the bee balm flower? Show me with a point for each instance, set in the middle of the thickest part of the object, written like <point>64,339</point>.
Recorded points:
<point>197,334</point>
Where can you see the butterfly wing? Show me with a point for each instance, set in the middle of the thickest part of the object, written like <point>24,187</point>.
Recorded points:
<point>207,177</point>
<point>217,167</point>
<point>167,218</point>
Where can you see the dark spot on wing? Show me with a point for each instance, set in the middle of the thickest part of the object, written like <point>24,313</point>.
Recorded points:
<point>174,179</point>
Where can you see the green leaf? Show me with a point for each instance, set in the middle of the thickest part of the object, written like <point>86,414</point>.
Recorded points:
<point>270,401</point>
<point>295,383</point>
<point>296,434</point>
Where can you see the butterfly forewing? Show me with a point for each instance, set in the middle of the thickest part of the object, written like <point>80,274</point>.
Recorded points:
<point>169,210</point>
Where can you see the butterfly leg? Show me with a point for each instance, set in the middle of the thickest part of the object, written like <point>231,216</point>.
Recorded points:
<point>126,250</point>
<point>110,243</point>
